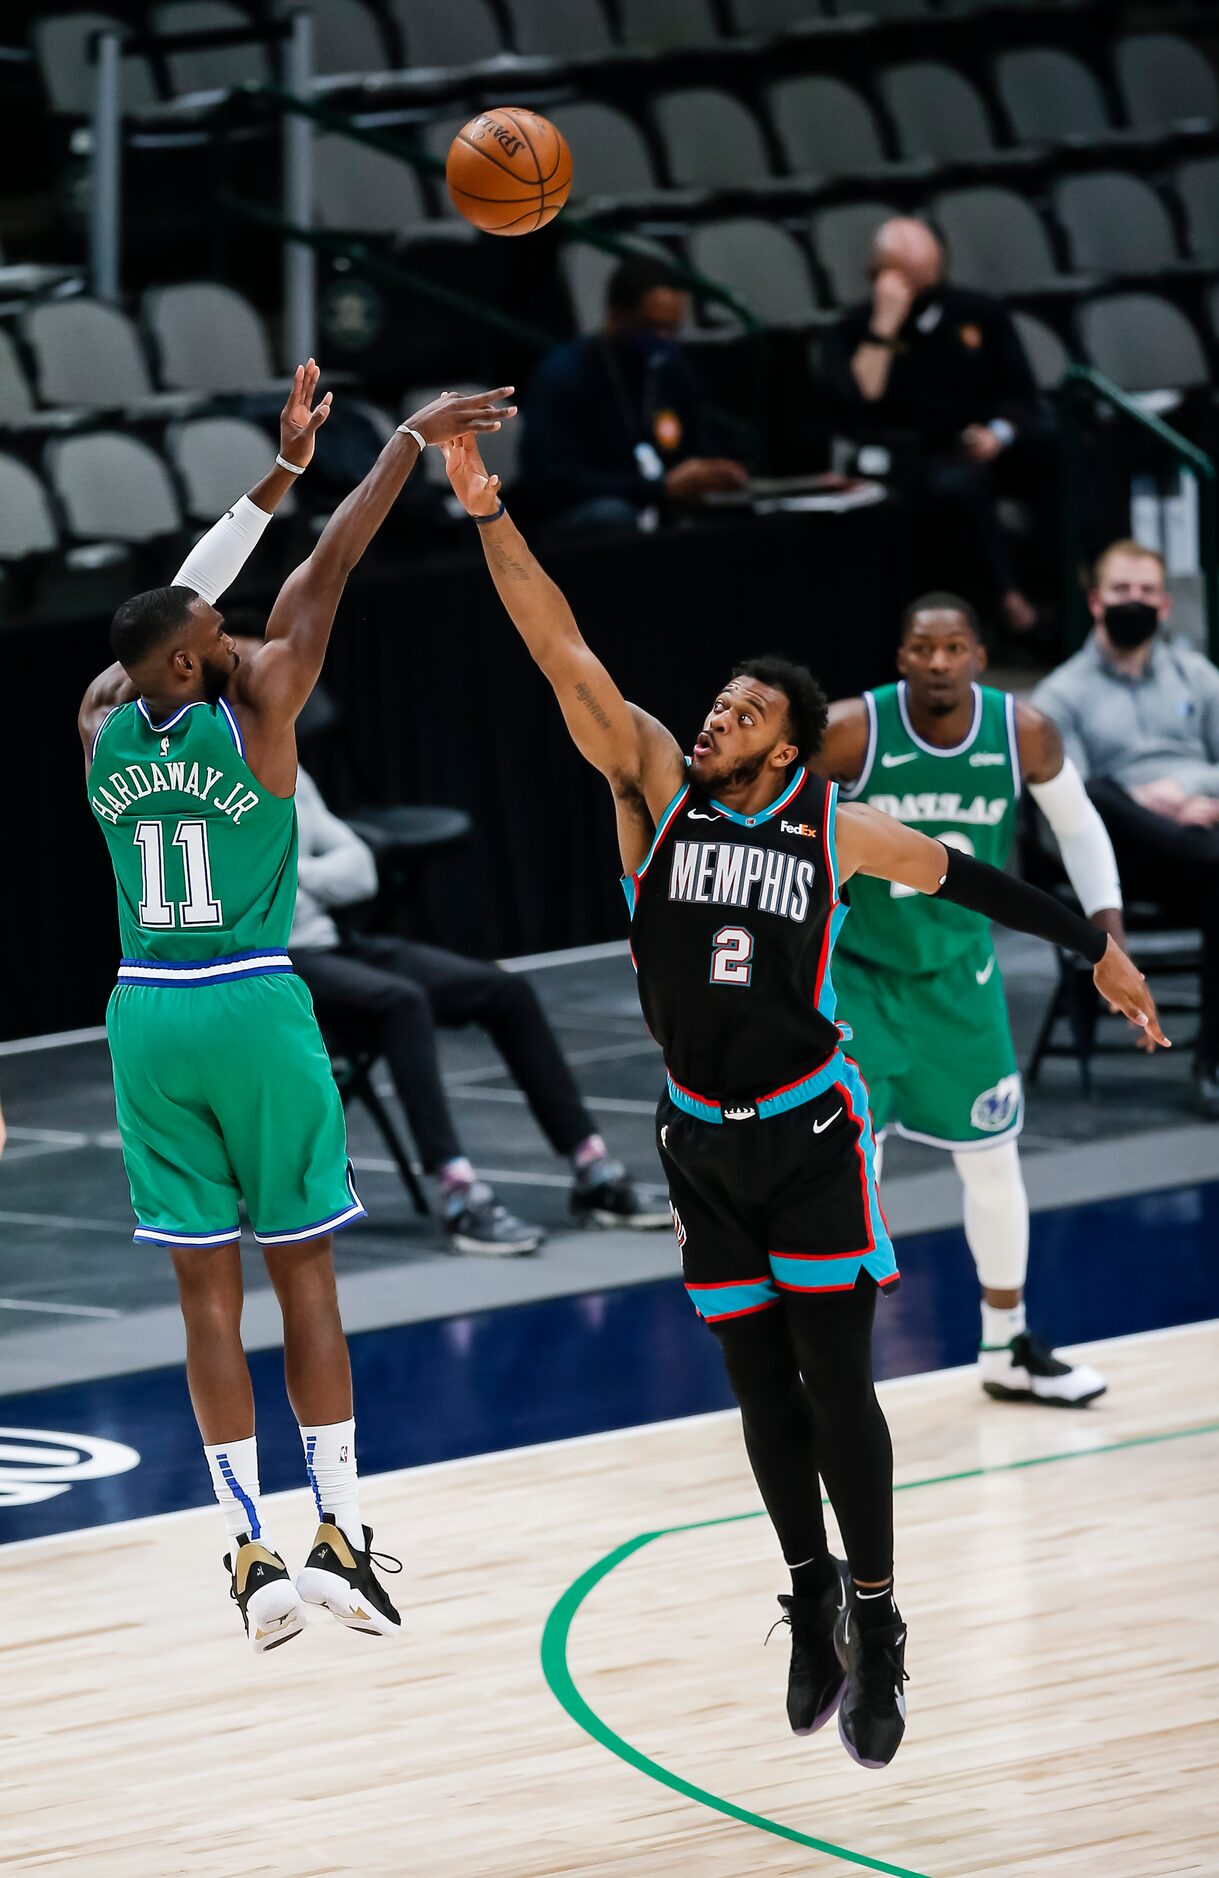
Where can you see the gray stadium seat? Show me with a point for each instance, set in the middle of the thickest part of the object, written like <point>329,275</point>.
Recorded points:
<point>1050,96</point>
<point>346,36</point>
<point>996,239</point>
<point>27,523</point>
<point>1143,343</point>
<point>448,32</point>
<point>86,353</point>
<point>842,241</point>
<point>1165,81</point>
<point>217,458</point>
<point>763,17</point>
<point>1044,350</point>
<point>825,128</point>
<point>218,68</point>
<point>1114,223</point>
<point>668,25</point>
<point>113,488</point>
<point>586,271</point>
<point>567,29</point>
<point>61,46</point>
<point>357,187</point>
<point>711,140</point>
<point>937,113</point>
<point>610,156</point>
<point>16,401</point>
<point>1198,189</point>
<point>208,338</point>
<point>761,263</point>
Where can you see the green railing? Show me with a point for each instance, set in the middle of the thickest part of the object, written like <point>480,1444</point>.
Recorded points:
<point>1083,387</point>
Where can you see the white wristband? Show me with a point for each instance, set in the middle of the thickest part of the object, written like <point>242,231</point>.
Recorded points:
<point>405,430</point>
<point>293,469</point>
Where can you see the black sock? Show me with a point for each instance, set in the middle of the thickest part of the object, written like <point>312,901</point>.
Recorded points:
<point>874,1605</point>
<point>814,1577</point>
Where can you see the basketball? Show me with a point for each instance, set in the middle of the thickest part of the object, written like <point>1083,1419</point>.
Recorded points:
<point>509,171</point>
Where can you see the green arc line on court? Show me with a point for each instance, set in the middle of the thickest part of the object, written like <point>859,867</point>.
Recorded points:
<point>559,1679</point>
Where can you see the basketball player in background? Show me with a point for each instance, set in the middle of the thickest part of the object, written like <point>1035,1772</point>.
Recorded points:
<point>736,859</point>
<point>920,980</point>
<point>222,1084</point>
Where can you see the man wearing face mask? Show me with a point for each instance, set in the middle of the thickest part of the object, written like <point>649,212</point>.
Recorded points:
<point>616,435</point>
<point>945,363</point>
<point>1139,713</point>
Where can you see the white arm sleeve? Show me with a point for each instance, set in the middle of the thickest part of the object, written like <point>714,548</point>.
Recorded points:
<point>215,562</point>
<point>1087,852</point>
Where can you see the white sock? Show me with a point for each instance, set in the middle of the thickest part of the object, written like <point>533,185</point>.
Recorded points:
<point>999,1326</point>
<point>233,1466</point>
<point>330,1462</point>
<point>996,1215</point>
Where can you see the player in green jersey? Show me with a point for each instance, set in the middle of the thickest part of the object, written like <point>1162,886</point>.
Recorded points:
<point>222,1083</point>
<point>919,982</point>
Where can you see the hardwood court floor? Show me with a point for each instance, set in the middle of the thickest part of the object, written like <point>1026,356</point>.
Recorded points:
<point>1063,1701</point>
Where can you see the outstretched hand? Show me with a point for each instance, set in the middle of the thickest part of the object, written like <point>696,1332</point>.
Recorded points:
<point>476,490</point>
<point>1119,980</point>
<point>299,423</point>
<point>456,412</point>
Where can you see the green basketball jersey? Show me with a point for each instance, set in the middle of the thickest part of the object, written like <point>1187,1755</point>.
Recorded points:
<point>965,796</point>
<point>204,856</point>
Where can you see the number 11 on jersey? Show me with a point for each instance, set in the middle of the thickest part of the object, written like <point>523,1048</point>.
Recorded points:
<point>199,907</point>
<point>732,956</point>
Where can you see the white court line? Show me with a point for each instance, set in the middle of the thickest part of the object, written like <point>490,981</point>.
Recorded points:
<point>59,1310</point>
<point>67,1220</point>
<point>54,1040</point>
<point>892,1386</point>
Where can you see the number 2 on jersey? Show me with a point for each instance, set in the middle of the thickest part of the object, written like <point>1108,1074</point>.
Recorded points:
<point>199,908</point>
<point>732,956</point>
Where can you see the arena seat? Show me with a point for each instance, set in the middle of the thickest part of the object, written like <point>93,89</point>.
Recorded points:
<point>764,17</point>
<point>1165,82</point>
<point>357,187</point>
<point>448,32</point>
<point>711,140</point>
<point>213,68</point>
<point>937,113</point>
<point>610,155</point>
<point>347,37</point>
<point>216,458</point>
<point>88,353</point>
<point>1051,97</point>
<point>824,127</point>
<point>208,338</point>
<point>669,25</point>
<point>1197,187</point>
<point>1115,223</point>
<point>761,263</point>
<point>1045,351</point>
<point>997,240</point>
<point>842,242</point>
<point>566,29</point>
<point>586,270</point>
<point>1143,342</point>
<point>27,520</point>
<point>61,46</point>
<point>113,488</point>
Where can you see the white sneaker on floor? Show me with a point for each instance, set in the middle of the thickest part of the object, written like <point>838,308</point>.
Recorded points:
<point>261,1587</point>
<point>1027,1370</point>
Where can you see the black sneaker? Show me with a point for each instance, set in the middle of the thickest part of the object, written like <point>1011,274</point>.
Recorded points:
<point>602,1195</point>
<point>341,1579</point>
<point>1027,1370</point>
<point>815,1681</point>
<point>261,1587</point>
<point>872,1714</point>
<point>478,1223</point>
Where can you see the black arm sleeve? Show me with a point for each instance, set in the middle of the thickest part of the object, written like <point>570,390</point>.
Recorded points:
<point>1015,904</point>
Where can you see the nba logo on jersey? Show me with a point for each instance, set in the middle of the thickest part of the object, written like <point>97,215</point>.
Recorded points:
<point>165,746</point>
<point>997,1108</point>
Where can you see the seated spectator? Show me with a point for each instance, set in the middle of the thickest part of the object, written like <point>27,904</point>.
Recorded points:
<point>945,363</point>
<point>614,426</point>
<point>389,994</point>
<point>1139,713</point>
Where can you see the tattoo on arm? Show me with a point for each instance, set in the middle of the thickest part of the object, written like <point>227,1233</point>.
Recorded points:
<point>590,704</point>
<point>505,562</point>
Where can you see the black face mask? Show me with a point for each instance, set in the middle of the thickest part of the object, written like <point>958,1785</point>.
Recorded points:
<point>1131,624</point>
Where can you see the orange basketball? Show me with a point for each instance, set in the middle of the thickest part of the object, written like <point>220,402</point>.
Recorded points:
<point>509,171</point>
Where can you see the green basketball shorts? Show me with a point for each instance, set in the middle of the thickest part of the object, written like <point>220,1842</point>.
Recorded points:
<point>224,1092</point>
<point>935,1049</point>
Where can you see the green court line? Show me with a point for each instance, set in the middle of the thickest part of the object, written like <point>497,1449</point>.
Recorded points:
<point>559,1679</point>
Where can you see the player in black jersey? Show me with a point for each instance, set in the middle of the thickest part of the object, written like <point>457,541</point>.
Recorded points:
<point>737,860</point>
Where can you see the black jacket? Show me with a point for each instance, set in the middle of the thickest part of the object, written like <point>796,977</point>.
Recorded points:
<point>590,404</point>
<point>958,361</point>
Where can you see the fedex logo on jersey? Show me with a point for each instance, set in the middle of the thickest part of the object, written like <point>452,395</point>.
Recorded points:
<point>727,873</point>
<point>940,805</point>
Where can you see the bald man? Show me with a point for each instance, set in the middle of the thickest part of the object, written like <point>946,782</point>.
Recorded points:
<point>946,363</point>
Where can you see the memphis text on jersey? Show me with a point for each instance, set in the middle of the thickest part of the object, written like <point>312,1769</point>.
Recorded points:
<point>127,787</point>
<point>724,873</point>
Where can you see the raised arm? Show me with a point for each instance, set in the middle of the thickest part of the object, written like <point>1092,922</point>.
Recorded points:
<point>638,757</point>
<point>273,685</point>
<point>884,848</point>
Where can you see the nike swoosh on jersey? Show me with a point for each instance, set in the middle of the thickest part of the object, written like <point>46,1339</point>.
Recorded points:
<point>891,762</point>
<point>982,976</point>
<point>819,1128</point>
<point>701,815</point>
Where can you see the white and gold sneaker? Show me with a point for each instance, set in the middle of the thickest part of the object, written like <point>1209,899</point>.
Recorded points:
<point>340,1577</point>
<point>262,1589</point>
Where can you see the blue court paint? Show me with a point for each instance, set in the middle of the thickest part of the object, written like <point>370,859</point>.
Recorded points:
<point>571,1366</point>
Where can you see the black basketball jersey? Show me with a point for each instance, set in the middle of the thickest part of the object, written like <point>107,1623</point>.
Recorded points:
<point>733,919</point>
